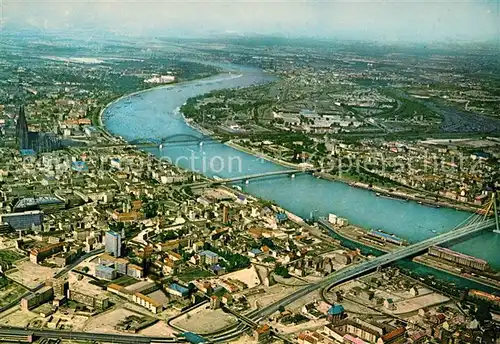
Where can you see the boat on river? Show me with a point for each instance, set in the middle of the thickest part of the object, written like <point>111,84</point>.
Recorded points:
<point>393,197</point>
<point>431,205</point>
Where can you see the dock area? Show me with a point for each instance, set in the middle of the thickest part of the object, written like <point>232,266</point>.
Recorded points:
<point>388,243</point>
<point>460,271</point>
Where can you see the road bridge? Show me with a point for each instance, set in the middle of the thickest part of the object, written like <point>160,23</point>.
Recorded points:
<point>218,180</point>
<point>146,144</point>
<point>252,324</point>
<point>370,265</point>
<point>266,174</point>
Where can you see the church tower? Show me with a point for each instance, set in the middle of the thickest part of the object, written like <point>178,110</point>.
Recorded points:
<point>22,130</point>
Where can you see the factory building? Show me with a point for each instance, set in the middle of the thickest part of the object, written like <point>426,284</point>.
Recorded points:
<point>358,331</point>
<point>61,287</point>
<point>209,257</point>
<point>262,334</point>
<point>336,220</point>
<point>47,204</point>
<point>122,266</point>
<point>93,301</point>
<point>23,220</point>
<point>177,290</point>
<point>39,254</point>
<point>478,294</point>
<point>105,272</point>
<point>147,302</point>
<point>458,258</point>
<point>135,271</point>
<point>35,299</point>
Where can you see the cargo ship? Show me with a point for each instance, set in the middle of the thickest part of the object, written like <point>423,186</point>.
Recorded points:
<point>432,205</point>
<point>382,236</point>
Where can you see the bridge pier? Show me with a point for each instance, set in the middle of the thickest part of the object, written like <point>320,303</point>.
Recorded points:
<point>495,209</point>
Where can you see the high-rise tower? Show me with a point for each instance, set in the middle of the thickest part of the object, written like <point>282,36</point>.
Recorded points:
<point>113,243</point>
<point>22,130</point>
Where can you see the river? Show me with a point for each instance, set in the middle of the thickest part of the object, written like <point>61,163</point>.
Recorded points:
<point>155,114</point>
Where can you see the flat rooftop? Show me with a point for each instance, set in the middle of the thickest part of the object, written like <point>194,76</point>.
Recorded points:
<point>158,296</point>
<point>34,201</point>
<point>138,285</point>
<point>83,286</point>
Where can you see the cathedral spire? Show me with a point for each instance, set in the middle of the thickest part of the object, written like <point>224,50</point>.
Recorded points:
<point>22,129</point>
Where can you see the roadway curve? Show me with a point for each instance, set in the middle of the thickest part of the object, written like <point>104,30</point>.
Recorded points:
<point>354,271</point>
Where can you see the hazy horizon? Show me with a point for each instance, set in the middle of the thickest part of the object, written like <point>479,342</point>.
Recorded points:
<point>423,21</point>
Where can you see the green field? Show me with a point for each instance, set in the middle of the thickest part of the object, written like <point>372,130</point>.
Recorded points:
<point>193,274</point>
<point>124,281</point>
<point>9,291</point>
<point>9,256</point>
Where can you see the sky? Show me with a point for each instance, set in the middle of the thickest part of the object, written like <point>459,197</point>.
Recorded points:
<point>396,20</point>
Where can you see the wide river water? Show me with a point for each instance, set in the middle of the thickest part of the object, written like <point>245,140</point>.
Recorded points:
<point>155,114</point>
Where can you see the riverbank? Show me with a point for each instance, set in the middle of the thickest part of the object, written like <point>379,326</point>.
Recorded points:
<point>381,191</point>
<point>435,263</point>
<point>360,235</point>
<point>398,195</point>
<point>172,84</point>
<point>101,123</point>
<point>263,156</point>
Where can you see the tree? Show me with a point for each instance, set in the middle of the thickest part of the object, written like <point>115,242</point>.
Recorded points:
<point>269,260</point>
<point>116,226</point>
<point>483,312</point>
<point>282,271</point>
<point>268,242</point>
<point>151,209</point>
<point>169,235</point>
<point>321,147</point>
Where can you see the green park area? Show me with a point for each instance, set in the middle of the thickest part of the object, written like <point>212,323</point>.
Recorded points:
<point>193,274</point>
<point>9,256</point>
<point>9,291</point>
<point>124,281</point>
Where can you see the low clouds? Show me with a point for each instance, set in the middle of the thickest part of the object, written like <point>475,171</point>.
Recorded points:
<point>425,20</point>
